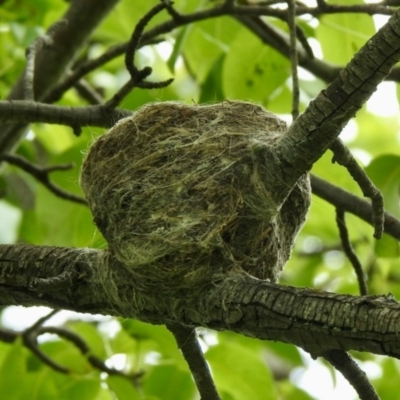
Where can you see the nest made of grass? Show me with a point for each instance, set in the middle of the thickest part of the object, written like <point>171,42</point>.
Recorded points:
<point>179,193</point>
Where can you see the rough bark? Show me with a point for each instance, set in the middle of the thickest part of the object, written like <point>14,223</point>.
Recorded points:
<point>91,281</point>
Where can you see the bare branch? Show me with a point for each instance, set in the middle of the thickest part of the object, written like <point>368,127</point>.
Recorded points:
<point>41,321</point>
<point>42,175</point>
<point>348,202</point>
<point>349,251</point>
<point>87,92</point>
<point>314,320</point>
<point>138,76</point>
<point>353,373</point>
<point>134,43</point>
<point>293,58</point>
<point>29,111</point>
<point>343,157</point>
<point>84,348</point>
<point>187,341</point>
<point>320,68</point>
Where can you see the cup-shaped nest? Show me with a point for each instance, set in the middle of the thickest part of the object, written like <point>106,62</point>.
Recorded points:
<point>179,193</point>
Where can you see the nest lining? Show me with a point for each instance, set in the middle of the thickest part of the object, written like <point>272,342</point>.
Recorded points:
<point>179,193</point>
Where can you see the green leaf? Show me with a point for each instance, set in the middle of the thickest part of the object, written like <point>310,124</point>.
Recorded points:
<point>80,388</point>
<point>207,41</point>
<point>343,34</point>
<point>377,134</point>
<point>39,386</point>
<point>167,382</point>
<point>253,70</point>
<point>289,392</point>
<point>67,355</point>
<point>91,335</point>
<point>121,21</point>
<point>122,388</point>
<point>388,388</point>
<point>161,340</point>
<point>240,372</point>
<point>177,50</point>
<point>13,372</point>
<point>387,247</point>
<point>384,171</point>
<point>211,90</point>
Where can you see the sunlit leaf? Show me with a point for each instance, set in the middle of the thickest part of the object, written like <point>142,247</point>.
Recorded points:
<point>343,34</point>
<point>13,372</point>
<point>206,42</point>
<point>40,386</point>
<point>122,388</point>
<point>240,372</point>
<point>167,382</point>
<point>91,335</point>
<point>253,70</point>
<point>161,339</point>
<point>384,171</point>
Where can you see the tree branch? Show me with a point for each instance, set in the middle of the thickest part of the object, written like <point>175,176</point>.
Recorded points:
<point>187,341</point>
<point>42,175</point>
<point>348,202</point>
<point>316,129</point>
<point>313,320</point>
<point>293,58</point>
<point>343,157</point>
<point>138,76</point>
<point>29,111</point>
<point>349,251</point>
<point>353,373</point>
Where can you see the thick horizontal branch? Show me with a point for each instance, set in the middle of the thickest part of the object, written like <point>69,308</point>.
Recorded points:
<point>314,320</point>
<point>75,117</point>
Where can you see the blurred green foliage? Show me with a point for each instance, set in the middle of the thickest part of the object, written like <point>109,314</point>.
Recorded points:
<point>211,60</point>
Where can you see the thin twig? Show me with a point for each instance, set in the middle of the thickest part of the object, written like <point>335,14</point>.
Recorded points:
<point>29,338</point>
<point>31,334</point>
<point>134,43</point>
<point>87,92</point>
<point>176,16</point>
<point>343,157</point>
<point>301,36</point>
<point>80,71</point>
<point>138,76</point>
<point>350,203</point>
<point>349,251</point>
<point>150,37</point>
<point>87,352</point>
<point>353,373</point>
<point>42,176</point>
<point>41,321</point>
<point>293,58</point>
<point>187,341</point>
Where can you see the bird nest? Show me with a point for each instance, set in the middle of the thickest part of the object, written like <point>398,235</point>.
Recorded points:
<point>179,193</point>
